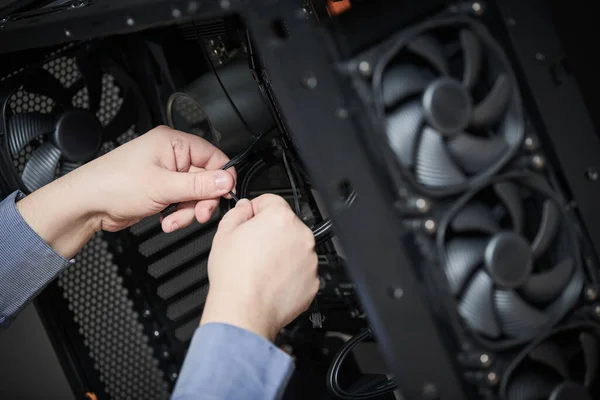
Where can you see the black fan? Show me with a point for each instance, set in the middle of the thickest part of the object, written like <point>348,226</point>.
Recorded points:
<point>509,287</point>
<point>557,371</point>
<point>71,136</point>
<point>433,125</point>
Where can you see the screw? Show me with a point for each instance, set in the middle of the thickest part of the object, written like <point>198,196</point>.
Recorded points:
<point>430,391</point>
<point>192,7</point>
<point>492,378</point>
<point>310,80</point>
<point>430,226</point>
<point>422,205</point>
<point>341,113</point>
<point>591,174</point>
<point>538,162</point>
<point>591,294</point>
<point>485,360</point>
<point>397,293</point>
<point>130,21</point>
<point>173,376</point>
<point>225,4</point>
<point>477,7</point>
<point>176,13</point>
<point>146,313</point>
<point>540,56</point>
<point>365,68</point>
<point>156,334</point>
<point>530,143</point>
<point>67,33</point>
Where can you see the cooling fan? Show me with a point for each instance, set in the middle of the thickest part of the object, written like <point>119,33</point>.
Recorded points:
<point>510,259</point>
<point>451,105</point>
<point>68,136</point>
<point>562,367</point>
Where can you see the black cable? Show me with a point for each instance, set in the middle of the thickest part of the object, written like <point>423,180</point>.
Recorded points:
<point>214,70</point>
<point>292,183</point>
<point>334,370</point>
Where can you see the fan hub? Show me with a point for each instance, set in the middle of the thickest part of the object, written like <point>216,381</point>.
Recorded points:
<point>508,259</point>
<point>570,391</point>
<point>447,106</point>
<point>78,135</point>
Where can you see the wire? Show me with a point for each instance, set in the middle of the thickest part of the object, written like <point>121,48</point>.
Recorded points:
<point>334,370</point>
<point>214,70</point>
<point>292,183</point>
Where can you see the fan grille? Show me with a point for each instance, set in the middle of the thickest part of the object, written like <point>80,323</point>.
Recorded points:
<point>65,70</point>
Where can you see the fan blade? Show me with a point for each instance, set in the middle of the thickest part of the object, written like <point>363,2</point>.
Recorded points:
<point>44,83</point>
<point>491,108</point>
<point>472,57</point>
<point>41,167</point>
<point>401,82</point>
<point>548,228</point>
<point>124,119</point>
<point>88,64</point>
<point>476,306</point>
<point>518,319</point>
<point>474,154</point>
<point>530,385</point>
<point>23,128</point>
<point>549,355</point>
<point>403,127</point>
<point>547,285</point>
<point>429,49</point>
<point>475,217</point>
<point>462,257</point>
<point>589,346</point>
<point>509,195</point>
<point>68,166</point>
<point>434,166</point>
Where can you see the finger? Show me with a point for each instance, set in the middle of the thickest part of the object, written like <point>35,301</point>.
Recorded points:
<point>208,167</point>
<point>177,187</point>
<point>242,212</point>
<point>205,209</point>
<point>182,217</point>
<point>266,201</point>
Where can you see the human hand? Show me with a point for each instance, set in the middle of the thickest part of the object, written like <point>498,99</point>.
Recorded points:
<point>262,267</point>
<point>138,179</point>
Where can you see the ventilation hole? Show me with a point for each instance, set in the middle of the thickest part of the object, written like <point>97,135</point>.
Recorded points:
<point>279,29</point>
<point>344,190</point>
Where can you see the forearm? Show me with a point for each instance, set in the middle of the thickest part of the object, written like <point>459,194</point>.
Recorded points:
<point>57,213</point>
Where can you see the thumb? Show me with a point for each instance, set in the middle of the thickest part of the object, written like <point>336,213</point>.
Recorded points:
<point>242,212</point>
<point>178,187</point>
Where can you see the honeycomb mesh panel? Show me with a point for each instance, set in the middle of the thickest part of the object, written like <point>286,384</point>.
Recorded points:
<point>107,320</point>
<point>187,279</point>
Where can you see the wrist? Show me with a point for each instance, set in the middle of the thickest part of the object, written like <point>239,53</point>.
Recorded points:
<point>239,312</point>
<point>59,215</point>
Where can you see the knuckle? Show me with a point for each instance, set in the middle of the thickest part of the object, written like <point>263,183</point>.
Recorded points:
<point>199,186</point>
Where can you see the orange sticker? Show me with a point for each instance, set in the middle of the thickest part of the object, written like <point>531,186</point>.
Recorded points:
<point>338,7</point>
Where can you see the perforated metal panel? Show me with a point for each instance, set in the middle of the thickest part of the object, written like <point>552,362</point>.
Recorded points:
<point>100,305</point>
<point>106,318</point>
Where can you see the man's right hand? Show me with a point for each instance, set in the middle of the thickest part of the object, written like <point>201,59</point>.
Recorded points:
<point>262,267</point>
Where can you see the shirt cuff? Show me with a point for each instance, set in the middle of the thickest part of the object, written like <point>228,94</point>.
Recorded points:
<point>27,263</point>
<point>227,362</point>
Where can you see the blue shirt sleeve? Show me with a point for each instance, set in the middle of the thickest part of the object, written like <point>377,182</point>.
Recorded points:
<point>228,363</point>
<point>27,263</point>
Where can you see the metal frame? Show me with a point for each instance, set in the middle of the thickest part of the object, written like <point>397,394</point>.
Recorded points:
<point>562,113</point>
<point>324,119</point>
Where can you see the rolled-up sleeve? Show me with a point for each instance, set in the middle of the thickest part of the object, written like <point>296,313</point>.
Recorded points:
<point>27,263</point>
<point>228,363</point>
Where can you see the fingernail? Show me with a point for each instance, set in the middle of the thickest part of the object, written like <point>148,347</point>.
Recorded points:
<point>174,226</point>
<point>223,180</point>
<point>241,202</point>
